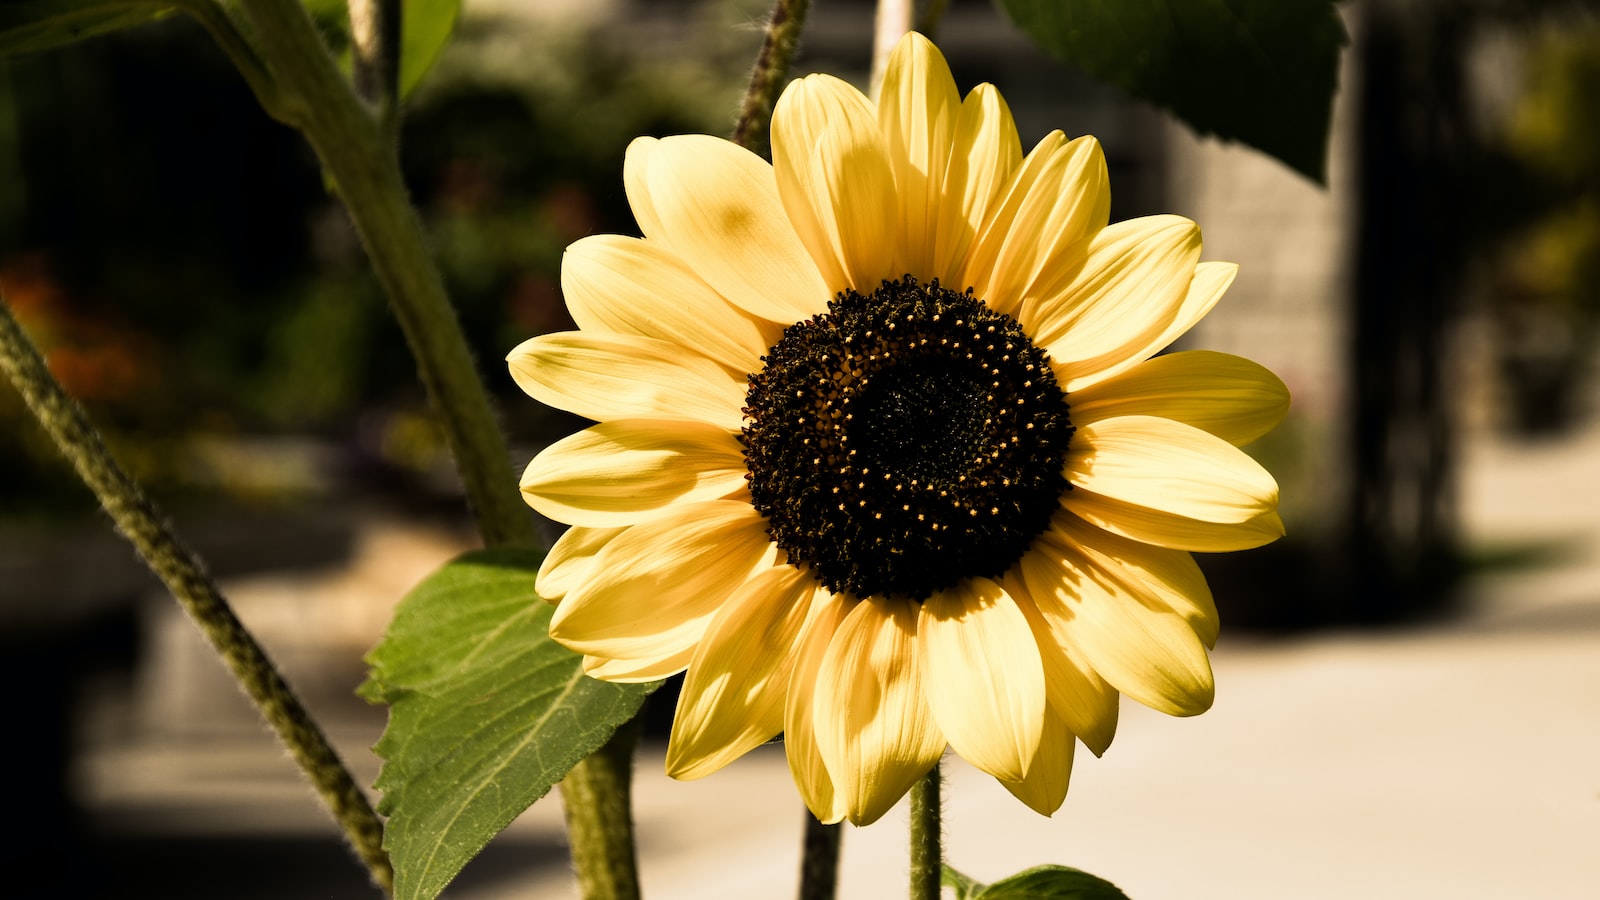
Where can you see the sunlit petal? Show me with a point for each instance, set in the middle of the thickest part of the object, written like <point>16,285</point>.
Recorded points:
<point>985,682</point>
<point>874,729</point>
<point>1228,396</point>
<point>1143,650</point>
<point>630,286</point>
<point>836,182</point>
<point>720,213</point>
<point>806,766</point>
<point>732,699</point>
<point>984,156</point>
<point>1045,785</point>
<point>1082,700</point>
<point>567,564</point>
<point>652,589</point>
<point>604,376</point>
<point>918,114</point>
<point>1170,467</point>
<point>631,470</point>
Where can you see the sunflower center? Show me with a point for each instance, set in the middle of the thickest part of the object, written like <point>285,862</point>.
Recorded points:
<point>905,441</point>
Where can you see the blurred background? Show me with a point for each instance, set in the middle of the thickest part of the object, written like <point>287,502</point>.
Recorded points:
<point>1409,683</point>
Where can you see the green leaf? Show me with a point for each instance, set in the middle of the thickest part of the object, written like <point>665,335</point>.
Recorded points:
<point>1259,71</point>
<point>425,27</point>
<point>1050,883</point>
<point>28,26</point>
<point>487,713</point>
<point>965,887</point>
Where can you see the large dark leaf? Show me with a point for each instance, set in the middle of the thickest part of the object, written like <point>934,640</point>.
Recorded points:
<point>1263,72</point>
<point>487,713</point>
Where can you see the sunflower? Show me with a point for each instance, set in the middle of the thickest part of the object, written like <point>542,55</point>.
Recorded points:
<point>884,457</point>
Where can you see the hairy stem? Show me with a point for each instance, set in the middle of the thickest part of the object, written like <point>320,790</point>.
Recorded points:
<point>927,857</point>
<point>599,795</point>
<point>788,19</point>
<point>138,519</point>
<point>364,167</point>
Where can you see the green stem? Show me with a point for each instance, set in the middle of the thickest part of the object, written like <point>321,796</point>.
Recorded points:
<point>927,858</point>
<point>362,161</point>
<point>784,26</point>
<point>598,797</point>
<point>819,863</point>
<point>214,19</point>
<point>364,166</point>
<point>143,525</point>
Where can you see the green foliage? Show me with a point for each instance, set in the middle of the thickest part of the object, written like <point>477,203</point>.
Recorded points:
<point>425,27</point>
<point>1263,72</point>
<point>1037,883</point>
<point>487,713</point>
<point>27,26</point>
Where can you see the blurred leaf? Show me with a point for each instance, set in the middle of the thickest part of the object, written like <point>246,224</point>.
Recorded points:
<point>1263,72</point>
<point>1038,883</point>
<point>332,18</point>
<point>27,26</point>
<point>425,27</point>
<point>487,713</point>
<point>965,887</point>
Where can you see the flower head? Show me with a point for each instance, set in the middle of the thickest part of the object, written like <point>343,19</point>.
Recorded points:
<point>884,456</point>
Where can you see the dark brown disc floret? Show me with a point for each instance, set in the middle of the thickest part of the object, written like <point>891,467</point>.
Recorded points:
<point>905,441</point>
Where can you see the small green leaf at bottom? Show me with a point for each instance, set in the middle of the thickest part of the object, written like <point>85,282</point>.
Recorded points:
<point>486,713</point>
<point>1037,883</point>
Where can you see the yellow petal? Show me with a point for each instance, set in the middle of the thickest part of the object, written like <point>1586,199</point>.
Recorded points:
<point>635,180</point>
<point>1038,242</point>
<point>1228,396</point>
<point>1166,529</point>
<point>1126,294</point>
<point>1147,652</point>
<point>1045,785</point>
<point>874,729</point>
<point>721,214</point>
<point>567,564</point>
<point>1167,466</point>
<point>1085,704</point>
<point>917,112</point>
<point>1166,577</point>
<point>979,268</point>
<point>984,157</point>
<point>653,588</point>
<point>800,713</point>
<point>732,698</point>
<point>626,285</point>
<point>985,682</point>
<point>631,470</point>
<point>610,376</point>
<point>836,182</point>
<point>1210,280</point>
<point>637,671</point>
